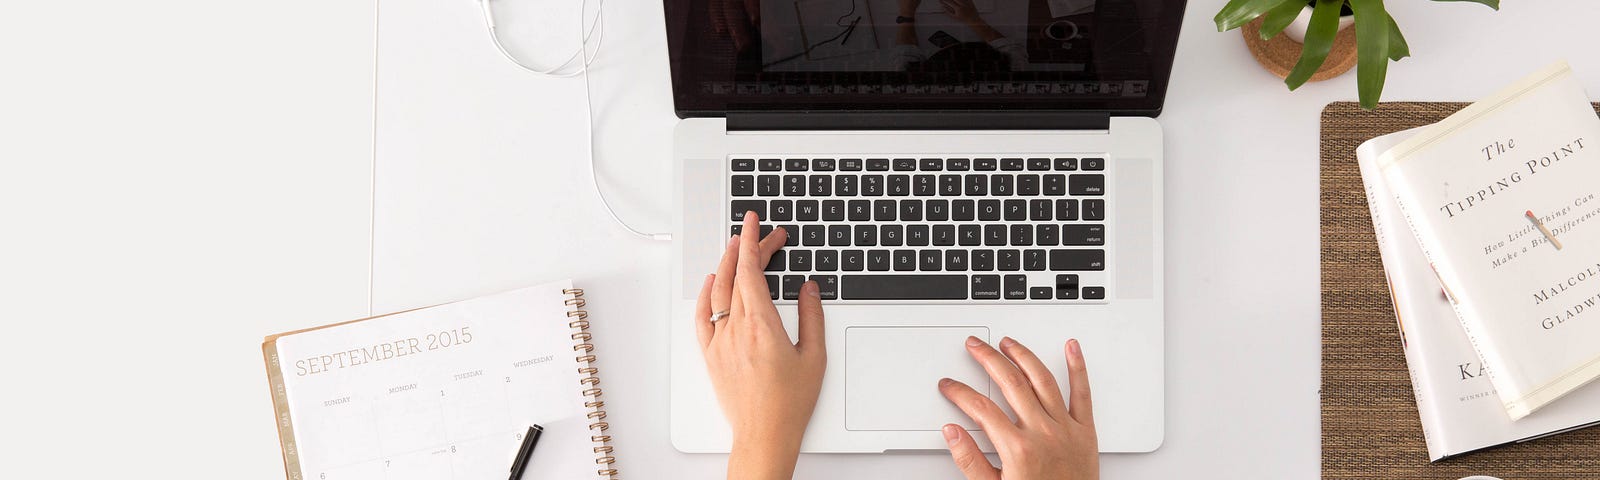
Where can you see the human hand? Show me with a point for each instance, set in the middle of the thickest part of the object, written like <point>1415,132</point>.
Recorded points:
<point>1050,438</point>
<point>908,8</point>
<point>737,20</point>
<point>963,11</point>
<point>767,386</point>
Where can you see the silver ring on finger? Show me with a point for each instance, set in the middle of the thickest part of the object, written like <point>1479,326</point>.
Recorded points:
<point>719,316</point>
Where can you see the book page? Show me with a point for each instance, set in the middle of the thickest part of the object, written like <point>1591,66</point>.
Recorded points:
<point>439,393</point>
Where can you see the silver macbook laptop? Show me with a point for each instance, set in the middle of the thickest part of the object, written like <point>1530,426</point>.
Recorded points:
<point>940,178</point>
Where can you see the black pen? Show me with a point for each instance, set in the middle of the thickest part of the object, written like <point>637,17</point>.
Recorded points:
<point>528,442</point>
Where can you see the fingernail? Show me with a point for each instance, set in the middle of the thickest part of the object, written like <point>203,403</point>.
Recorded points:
<point>810,287</point>
<point>752,214</point>
<point>973,341</point>
<point>733,239</point>
<point>1073,345</point>
<point>1007,342</point>
<point>951,434</point>
<point>945,382</point>
<point>710,277</point>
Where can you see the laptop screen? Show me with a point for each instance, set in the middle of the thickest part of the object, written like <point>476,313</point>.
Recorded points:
<point>796,55</point>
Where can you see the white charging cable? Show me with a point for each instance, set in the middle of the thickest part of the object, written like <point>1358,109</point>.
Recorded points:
<point>583,58</point>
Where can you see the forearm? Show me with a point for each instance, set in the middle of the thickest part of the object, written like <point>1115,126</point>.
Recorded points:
<point>763,459</point>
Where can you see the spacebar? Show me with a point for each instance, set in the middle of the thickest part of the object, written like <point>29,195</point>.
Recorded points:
<point>904,287</point>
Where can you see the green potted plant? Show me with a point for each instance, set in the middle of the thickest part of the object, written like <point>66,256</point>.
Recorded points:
<point>1378,38</point>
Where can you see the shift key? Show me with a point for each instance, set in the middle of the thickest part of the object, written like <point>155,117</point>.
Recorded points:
<point>1074,260</point>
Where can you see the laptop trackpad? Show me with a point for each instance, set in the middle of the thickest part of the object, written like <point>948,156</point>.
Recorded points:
<point>892,376</point>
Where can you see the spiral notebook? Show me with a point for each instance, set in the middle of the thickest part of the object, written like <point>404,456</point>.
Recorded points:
<point>444,392</point>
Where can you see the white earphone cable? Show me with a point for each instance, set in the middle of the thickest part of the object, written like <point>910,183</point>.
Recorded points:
<point>593,29</point>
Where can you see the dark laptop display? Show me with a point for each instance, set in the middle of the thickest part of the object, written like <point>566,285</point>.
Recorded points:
<point>828,55</point>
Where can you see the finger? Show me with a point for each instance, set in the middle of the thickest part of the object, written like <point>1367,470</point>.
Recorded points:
<point>812,338</point>
<point>722,289</point>
<point>1013,384</point>
<point>949,7</point>
<point>969,459</point>
<point>719,21</point>
<point>771,243</point>
<point>738,22</point>
<point>702,312</point>
<point>977,407</point>
<point>752,9</point>
<point>749,280</point>
<point>1082,406</point>
<point>1039,376</point>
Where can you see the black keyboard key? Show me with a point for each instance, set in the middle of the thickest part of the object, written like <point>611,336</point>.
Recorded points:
<point>977,185</point>
<point>944,235</point>
<point>1094,293</point>
<point>994,235</point>
<point>741,206</point>
<point>800,261</point>
<point>793,239</point>
<point>744,165</point>
<point>833,210</point>
<point>904,287</point>
<point>767,185</point>
<point>866,236</point>
<point>1016,210</point>
<point>1000,185</point>
<point>1022,235</point>
<point>859,210</point>
<point>782,211</point>
<point>917,235</point>
<point>797,165</point>
<point>1055,185</point>
<point>884,210</point>
<point>937,210</point>
<point>1094,210</point>
<point>1072,235</point>
<point>777,262</point>
<point>1016,287</point>
<point>985,164</point>
<point>1010,260</point>
<point>905,260</point>
<point>1040,293</point>
<point>806,210</point>
<point>1027,184</point>
<point>791,286</point>
<point>982,260</point>
<point>1066,209</point>
<point>794,185</point>
<point>932,164</point>
<point>1038,164</point>
<point>821,185</point>
<point>849,164</point>
<point>827,286</point>
<point>892,235</point>
<point>1048,235</point>
<point>877,164</point>
<point>899,185</point>
<point>949,185</point>
<point>985,287</point>
<point>771,165</point>
<point>1062,260</point>
<point>989,210</point>
<point>1066,164</point>
<point>1094,164</point>
<point>1039,210</point>
<point>853,260</point>
<point>822,165</point>
<point>1034,260</point>
<point>1012,164</point>
<point>772,286</point>
<point>845,185</point>
<point>955,260</point>
<point>969,235</point>
<point>929,260</point>
<point>839,235</point>
<point>905,164</point>
<point>872,185</point>
<point>924,185</point>
<point>827,260</point>
<point>1087,184</point>
<point>743,185</point>
<point>911,210</point>
<point>878,260</point>
<point>813,236</point>
<point>958,164</point>
<point>963,210</point>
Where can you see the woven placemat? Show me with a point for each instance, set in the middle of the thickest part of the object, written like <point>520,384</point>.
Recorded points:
<point>1370,428</point>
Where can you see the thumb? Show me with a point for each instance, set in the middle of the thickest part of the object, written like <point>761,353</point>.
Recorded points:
<point>812,337</point>
<point>964,450</point>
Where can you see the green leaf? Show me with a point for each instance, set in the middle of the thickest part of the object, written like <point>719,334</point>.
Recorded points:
<point>1319,40</point>
<point>1278,18</point>
<point>1397,42</point>
<point>1239,12</point>
<point>1372,49</point>
<point>1495,4</point>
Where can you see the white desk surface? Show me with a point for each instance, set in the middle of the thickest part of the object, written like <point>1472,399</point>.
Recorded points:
<point>179,179</point>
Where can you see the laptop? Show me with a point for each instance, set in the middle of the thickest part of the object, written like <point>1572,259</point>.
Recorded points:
<point>940,178</point>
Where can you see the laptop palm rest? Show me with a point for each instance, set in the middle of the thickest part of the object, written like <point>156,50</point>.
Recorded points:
<point>892,376</point>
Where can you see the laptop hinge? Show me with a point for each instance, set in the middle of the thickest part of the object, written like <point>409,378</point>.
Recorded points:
<point>918,120</point>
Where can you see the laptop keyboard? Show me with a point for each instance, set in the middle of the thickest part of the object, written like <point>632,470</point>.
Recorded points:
<point>930,229</point>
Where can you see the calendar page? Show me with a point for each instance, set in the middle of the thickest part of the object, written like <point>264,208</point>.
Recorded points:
<point>439,393</point>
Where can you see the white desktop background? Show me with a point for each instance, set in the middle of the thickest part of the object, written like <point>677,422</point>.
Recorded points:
<point>180,178</point>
